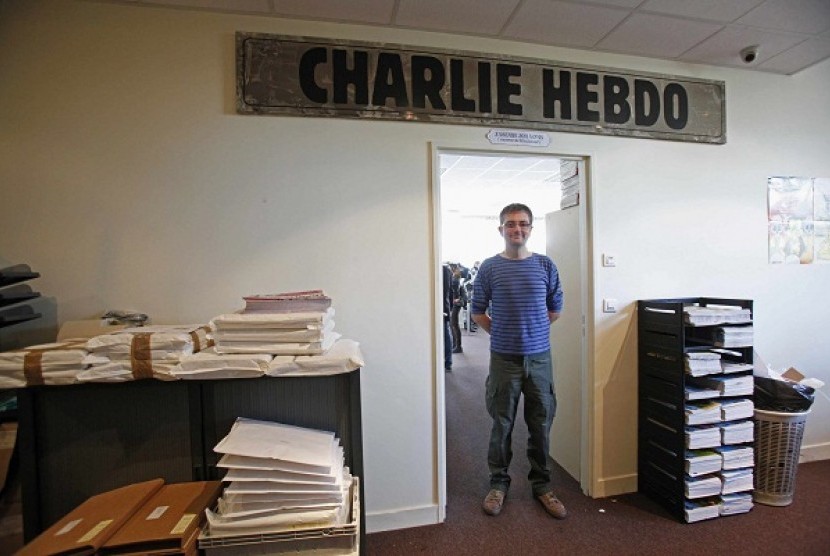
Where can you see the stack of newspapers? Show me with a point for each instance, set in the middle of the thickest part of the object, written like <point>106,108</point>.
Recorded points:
<point>281,478</point>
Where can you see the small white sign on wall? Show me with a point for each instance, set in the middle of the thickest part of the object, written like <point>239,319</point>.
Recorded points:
<point>521,137</point>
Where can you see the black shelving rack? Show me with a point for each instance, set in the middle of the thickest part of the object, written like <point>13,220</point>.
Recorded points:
<point>664,339</point>
<point>13,294</point>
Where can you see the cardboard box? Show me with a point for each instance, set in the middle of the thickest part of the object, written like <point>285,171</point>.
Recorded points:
<point>86,528</point>
<point>168,523</point>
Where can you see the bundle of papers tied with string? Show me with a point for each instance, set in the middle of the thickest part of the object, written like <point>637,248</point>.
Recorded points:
<point>53,364</point>
<point>142,352</point>
<point>309,333</point>
<point>281,478</point>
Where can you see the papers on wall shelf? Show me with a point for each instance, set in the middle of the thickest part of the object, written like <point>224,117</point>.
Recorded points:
<point>737,432</point>
<point>703,436</point>
<point>736,480</point>
<point>736,503</point>
<point>736,456</point>
<point>705,508</point>
<point>699,393</point>
<point>738,336</point>
<point>741,408</point>
<point>702,462</point>
<point>701,487</point>
<point>716,314</point>
<point>282,478</point>
<point>701,363</point>
<point>702,413</point>
<point>739,385</point>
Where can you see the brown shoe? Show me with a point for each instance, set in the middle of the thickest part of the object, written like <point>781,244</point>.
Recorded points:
<point>552,505</point>
<point>493,502</point>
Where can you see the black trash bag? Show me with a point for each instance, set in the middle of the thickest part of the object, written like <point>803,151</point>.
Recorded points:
<point>780,395</point>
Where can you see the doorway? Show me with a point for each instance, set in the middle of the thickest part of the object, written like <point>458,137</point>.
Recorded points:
<point>470,188</point>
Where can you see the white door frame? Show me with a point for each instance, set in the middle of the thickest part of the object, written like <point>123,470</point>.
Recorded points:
<point>588,442</point>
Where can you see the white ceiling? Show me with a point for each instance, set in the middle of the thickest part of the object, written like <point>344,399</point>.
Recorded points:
<point>791,34</point>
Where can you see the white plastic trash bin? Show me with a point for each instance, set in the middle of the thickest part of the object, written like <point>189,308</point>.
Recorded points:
<point>778,438</point>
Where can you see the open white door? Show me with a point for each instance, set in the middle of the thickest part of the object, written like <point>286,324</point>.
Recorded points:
<point>564,246</point>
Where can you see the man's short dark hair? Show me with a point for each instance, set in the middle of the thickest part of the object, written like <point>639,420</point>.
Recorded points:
<point>515,207</point>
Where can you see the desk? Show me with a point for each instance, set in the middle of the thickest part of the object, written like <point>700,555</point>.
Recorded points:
<point>80,440</point>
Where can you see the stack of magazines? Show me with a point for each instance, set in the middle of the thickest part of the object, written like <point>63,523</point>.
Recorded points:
<point>281,478</point>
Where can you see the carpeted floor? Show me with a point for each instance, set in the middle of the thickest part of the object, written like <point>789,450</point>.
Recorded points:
<point>625,525</point>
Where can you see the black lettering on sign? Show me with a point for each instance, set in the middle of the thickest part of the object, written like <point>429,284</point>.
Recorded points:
<point>675,106</point>
<point>506,89</point>
<point>427,87</point>
<point>586,96</point>
<point>389,81</point>
<point>553,94</point>
<point>615,95</point>
<point>308,63</point>
<point>485,92</point>
<point>357,76</point>
<point>459,102</point>
<point>646,103</point>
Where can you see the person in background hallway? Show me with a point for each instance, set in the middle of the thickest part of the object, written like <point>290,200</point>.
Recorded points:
<point>446,297</point>
<point>459,300</point>
<point>524,294</point>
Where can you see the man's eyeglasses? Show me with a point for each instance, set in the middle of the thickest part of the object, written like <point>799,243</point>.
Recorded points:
<point>511,225</point>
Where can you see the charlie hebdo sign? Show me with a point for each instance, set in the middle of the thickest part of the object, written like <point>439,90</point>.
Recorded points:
<point>350,79</point>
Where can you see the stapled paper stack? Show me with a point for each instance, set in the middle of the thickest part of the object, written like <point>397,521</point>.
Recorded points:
<point>736,456</point>
<point>702,413</point>
<point>702,363</point>
<point>737,503</point>
<point>716,314</point>
<point>731,337</point>
<point>701,462</point>
<point>285,333</point>
<point>281,478</point>
<point>737,432</point>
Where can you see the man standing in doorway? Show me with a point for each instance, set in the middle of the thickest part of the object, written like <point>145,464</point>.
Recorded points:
<point>522,291</point>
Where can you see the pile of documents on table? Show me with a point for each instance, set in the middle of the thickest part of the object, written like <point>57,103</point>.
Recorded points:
<point>286,334</point>
<point>142,352</point>
<point>716,314</point>
<point>281,478</point>
<point>54,364</point>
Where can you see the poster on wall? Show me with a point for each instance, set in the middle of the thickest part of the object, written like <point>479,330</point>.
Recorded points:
<point>798,212</point>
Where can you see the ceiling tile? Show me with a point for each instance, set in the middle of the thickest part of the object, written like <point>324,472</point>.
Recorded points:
<point>462,16</point>
<point>724,47</point>
<point>799,57</point>
<point>364,11</point>
<point>656,35</point>
<point>801,16</point>
<point>713,10</point>
<point>561,23</point>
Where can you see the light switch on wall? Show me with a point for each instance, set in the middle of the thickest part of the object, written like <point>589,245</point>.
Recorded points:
<point>609,260</point>
<point>609,305</point>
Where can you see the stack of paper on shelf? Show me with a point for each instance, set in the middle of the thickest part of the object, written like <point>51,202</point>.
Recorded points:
<point>735,457</point>
<point>703,436</point>
<point>737,503</point>
<point>308,301</point>
<point>737,432</point>
<point>344,356</point>
<point>740,336</point>
<point>701,487</point>
<point>208,364</point>
<point>740,408</point>
<point>700,363</point>
<point>736,480</point>
<point>716,314</point>
<point>308,333</point>
<point>168,523</point>
<point>737,385</point>
<point>53,364</point>
<point>702,413</point>
<point>281,478</point>
<point>705,508</point>
<point>692,392</point>
<point>142,352</point>
<point>701,462</point>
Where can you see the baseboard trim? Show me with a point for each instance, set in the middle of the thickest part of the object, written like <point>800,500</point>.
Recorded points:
<point>402,519</point>
<point>614,486</point>
<point>814,452</point>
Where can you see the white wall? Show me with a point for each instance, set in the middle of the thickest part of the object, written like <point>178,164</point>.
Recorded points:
<point>129,182</point>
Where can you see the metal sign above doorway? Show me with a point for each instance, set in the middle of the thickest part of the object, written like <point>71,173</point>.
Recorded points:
<point>303,76</point>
